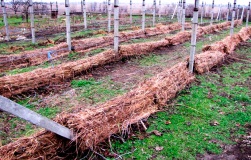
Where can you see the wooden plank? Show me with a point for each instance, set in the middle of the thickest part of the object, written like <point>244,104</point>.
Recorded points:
<point>35,118</point>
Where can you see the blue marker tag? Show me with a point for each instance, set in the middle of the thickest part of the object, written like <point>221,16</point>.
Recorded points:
<point>49,55</point>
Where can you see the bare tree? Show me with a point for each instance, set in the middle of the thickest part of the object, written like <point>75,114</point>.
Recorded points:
<point>15,4</point>
<point>25,9</point>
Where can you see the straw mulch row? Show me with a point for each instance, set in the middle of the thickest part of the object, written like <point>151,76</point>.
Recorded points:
<point>16,84</point>
<point>93,126</point>
<point>36,57</point>
<point>214,54</point>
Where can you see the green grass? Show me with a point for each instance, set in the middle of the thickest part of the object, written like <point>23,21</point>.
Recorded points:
<point>224,97</point>
<point>12,21</point>
<point>97,91</point>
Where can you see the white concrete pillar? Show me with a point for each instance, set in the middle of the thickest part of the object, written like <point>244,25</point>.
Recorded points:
<point>32,21</point>
<point>131,12</point>
<point>154,12</point>
<point>228,7</point>
<point>193,38</point>
<point>212,14</point>
<point>109,15</point>
<point>143,15</point>
<point>233,17</point>
<point>238,11</point>
<point>159,9</point>
<point>247,14</point>
<point>183,15</point>
<point>201,13</point>
<point>5,20</point>
<point>84,14</point>
<point>68,24</point>
<point>116,26</point>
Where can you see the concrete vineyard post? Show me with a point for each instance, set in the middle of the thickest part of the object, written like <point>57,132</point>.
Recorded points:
<point>175,9</point>
<point>116,26</point>
<point>32,22</point>
<point>218,15</point>
<point>201,13</point>
<point>159,9</point>
<point>178,12</point>
<point>35,118</point>
<point>233,17</point>
<point>154,12</point>
<point>5,20</point>
<point>57,6</point>
<point>143,15</point>
<point>84,14</point>
<point>238,11</point>
<point>109,15</point>
<point>248,14</point>
<point>242,14</point>
<point>68,24</point>
<point>131,11</point>
<point>194,32</point>
<point>183,15</point>
<point>228,6</point>
<point>212,14</point>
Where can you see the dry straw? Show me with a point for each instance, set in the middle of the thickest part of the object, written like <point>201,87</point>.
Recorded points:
<point>16,84</point>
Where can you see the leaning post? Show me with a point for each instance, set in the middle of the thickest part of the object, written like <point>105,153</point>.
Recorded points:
<point>68,24</point>
<point>154,12</point>
<point>212,14</point>
<point>109,15</point>
<point>143,15</point>
<point>183,15</point>
<point>32,21</point>
<point>5,20</point>
<point>131,11</point>
<point>194,32</point>
<point>116,26</point>
<point>248,14</point>
<point>232,22</point>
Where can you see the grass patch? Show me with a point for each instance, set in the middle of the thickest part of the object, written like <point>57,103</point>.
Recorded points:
<point>224,97</point>
<point>97,91</point>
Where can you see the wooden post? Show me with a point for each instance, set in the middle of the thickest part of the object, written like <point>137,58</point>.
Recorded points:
<point>84,14</point>
<point>154,12</point>
<point>51,7</point>
<point>116,26</point>
<point>35,118</point>
<point>212,14</point>
<point>109,15</point>
<point>193,38</point>
<point>238,11</point>
<point>232,22</point>
<point>131,11</point>
<point>57,6</point>
<point>5,20</point>
<point>68,24</point>
<point>183,15</point>
<point>143,15</point>
<point>247,14</point>
<point>201,13</point>
<point>159,9</point>
<point>32,21</point>
<point>228,7</point>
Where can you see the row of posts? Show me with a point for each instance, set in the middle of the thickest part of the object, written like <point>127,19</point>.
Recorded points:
<point>180,16</point>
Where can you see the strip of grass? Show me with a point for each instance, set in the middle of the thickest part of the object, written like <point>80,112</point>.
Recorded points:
<point>97,91</point>
<point>187,129</point>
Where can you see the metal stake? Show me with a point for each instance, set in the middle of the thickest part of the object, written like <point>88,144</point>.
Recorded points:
<point>131,11</point>
<point>183,15</point>
<point>154,12</point>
